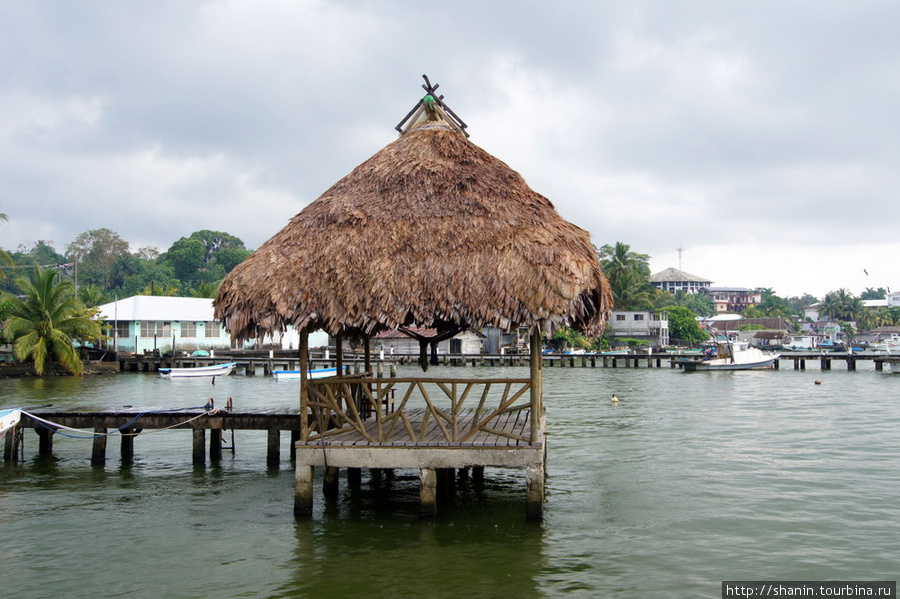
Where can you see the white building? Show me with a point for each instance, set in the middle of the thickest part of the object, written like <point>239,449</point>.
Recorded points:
<point>674,280</point>
<point>145,323</point>
<point>652,326</point>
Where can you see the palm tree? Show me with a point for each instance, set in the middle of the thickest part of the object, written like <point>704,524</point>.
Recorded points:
<point>206,289</point>
<point>91,295</point>
<point>44,321</point>
<point>628,274</point>
<point>841,305</point>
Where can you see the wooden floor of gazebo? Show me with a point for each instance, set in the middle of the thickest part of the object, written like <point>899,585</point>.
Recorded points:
<point>431,438</point>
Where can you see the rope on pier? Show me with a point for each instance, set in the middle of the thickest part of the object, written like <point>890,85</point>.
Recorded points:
<point>55,427</point>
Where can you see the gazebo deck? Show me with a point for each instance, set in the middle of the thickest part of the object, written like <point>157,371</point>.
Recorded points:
<point>499,432</point>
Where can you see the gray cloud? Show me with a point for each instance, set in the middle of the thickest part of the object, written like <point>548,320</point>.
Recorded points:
<point>746,134</point>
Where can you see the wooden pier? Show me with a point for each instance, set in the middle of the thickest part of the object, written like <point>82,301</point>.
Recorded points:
<point>129,424</point>
<point>254,363</point>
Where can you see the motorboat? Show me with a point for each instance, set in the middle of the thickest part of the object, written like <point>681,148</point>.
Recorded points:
<point>729,355</point>
<point>294,375</point>
<point>9,419</point>
<point>214,370</point>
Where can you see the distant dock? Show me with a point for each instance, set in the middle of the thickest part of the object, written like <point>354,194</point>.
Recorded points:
<point>265,363</point>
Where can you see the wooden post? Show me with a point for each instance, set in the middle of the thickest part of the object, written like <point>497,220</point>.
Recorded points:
<point>45,443</point>
<point>127,444</point>
<point>199,453</point>
<point>215,444</point>
<point>303,491</point>
<point>339,351</point>
<point>304,384</point>
<point>11,444</point>
<point>354,477</point>
<point>273,450</point>
<point>368,354</point>
<point>295,437</point>
<point>428,492</point>
<point>537,383</point>
<point>330,482</point>
<point>98,452</point>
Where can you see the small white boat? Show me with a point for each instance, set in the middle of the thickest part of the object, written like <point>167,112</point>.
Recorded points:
<point>8,419</point>
<point>294,375</point>
<point>732,355</point>
<point>214,370</point>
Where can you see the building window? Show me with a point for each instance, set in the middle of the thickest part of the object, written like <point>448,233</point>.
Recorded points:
<point>122,331</point>
<point>620,317</point>
<point>188,330</point>
<point>212,329</point>
<point>639,317</point>
<point>160,328</point>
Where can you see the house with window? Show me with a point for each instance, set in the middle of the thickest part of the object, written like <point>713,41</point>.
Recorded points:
<point>395,342</point>
<point>732,300</point>
<point>650,326</point>
<point>674,280</point>
<point>153,323</point>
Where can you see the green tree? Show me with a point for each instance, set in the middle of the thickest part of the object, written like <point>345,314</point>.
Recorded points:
<point>841,305</point>
<point>186,258</point>
<point>683,325</point>
<point>873,294</point>
<point>91,296</point>
<point>42,324</point>
<point>207,290</point>
<point>797,304</point>
<point>96,252</point>
<point>228,258</point>
<point>214,242</point>
<point>628,274</point>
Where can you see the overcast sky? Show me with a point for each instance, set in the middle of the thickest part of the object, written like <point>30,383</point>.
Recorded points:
<point>760,137</point>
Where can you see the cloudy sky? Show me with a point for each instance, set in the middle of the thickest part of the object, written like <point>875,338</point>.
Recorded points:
<point>762,138</point>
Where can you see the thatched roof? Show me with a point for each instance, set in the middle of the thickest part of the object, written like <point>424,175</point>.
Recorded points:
<point>431,231</point>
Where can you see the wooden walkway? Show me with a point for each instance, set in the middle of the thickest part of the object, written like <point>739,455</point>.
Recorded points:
<point>127,424</point>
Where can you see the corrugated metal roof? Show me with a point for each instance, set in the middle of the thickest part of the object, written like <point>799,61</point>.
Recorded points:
<point>156,307</point>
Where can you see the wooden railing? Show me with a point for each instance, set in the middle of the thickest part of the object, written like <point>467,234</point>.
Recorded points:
<point>388,410</point>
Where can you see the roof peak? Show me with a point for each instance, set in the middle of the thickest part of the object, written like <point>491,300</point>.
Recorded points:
<point>431,107</point>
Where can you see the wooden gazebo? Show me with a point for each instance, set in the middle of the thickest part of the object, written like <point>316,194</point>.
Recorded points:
<point>431,231</point>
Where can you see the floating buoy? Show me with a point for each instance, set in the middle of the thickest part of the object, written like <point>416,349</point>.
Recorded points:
<point>818,382</point>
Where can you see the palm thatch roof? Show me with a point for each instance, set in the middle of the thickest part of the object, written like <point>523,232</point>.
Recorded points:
<point>431,231</point>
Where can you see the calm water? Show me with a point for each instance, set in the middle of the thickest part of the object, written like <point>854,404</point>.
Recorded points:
<point>690,480</point>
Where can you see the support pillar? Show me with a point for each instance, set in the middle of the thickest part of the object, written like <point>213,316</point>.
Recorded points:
<point>534,501</point>
<point>273,449</point>
<point>98,451</point>
<point>127,444</point>
<point>428,492</point>
<point>303,491</point>
<point>11,444</point>
<point>199,453</point>
<point>45,443</point>
<point>215,444</point>
<point>330,482</point>
<point>354,477</point>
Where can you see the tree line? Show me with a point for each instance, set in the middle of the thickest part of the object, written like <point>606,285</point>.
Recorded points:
<point>102,266</point>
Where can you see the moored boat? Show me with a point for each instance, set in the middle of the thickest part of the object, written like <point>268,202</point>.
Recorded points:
<point>294,375</point>
<point>731,355</point>
<point>214,370</point>
<point>8,419</point>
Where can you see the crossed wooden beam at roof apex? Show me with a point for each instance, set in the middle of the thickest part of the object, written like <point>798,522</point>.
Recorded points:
<point>430,99</point>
